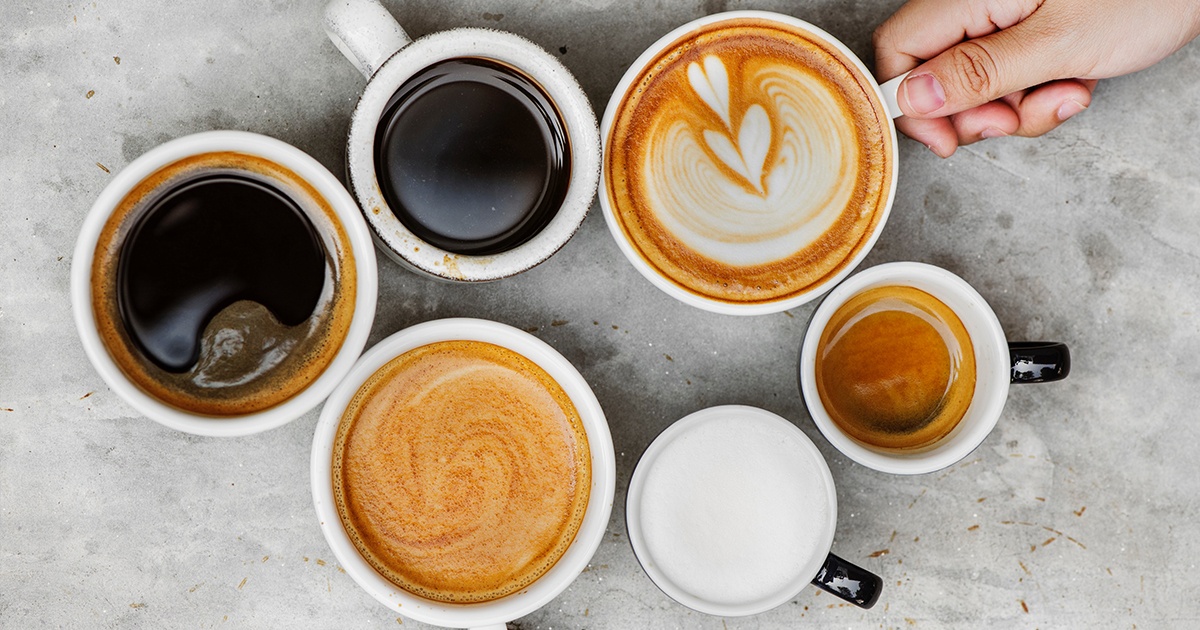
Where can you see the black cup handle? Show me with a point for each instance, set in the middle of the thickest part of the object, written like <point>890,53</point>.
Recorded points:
<point>849,582</point>
<point>1039,361</point>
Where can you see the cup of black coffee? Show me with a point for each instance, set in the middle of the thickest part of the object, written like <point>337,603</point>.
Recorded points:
<point>473,153</point>
<point>223,283</point>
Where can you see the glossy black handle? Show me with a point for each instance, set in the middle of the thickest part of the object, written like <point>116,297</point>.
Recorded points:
<point>1039,361</point>
<point>849,582</point>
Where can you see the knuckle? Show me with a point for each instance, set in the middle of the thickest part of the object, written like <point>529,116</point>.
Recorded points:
<point>975,67</point>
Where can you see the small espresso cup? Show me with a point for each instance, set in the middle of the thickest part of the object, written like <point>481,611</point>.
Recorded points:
<point>223,283</point>
<point>432,466</point>
<point>473,153</point>
<point>905,368</point>
<point>731,511</point>
<point>750,162</point>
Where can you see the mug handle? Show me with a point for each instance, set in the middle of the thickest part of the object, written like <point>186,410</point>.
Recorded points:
<point>889,90</point>
<point>849,582</point>
<point>1039,361</point>
<point>365,33</point>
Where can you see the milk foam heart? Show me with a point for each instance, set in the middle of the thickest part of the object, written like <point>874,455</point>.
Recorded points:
<point>749,162</point>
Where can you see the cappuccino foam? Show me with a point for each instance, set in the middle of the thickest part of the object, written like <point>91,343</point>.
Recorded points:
<point>749,161</point>
<point>461,471</point>
<point>731,511</point>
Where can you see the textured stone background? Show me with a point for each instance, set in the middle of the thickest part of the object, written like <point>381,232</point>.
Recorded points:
<point>1078,511</point>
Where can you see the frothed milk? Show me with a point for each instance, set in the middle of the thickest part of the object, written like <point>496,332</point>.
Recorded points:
<point>732,511</point>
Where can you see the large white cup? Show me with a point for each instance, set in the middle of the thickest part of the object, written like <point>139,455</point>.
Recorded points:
<point>885,94</point>
<point>998,363</point>
<point>283,154</point>
<point>377,46</point>
<point>491,614</point>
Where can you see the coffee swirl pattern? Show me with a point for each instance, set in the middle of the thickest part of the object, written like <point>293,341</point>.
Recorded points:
<point>245,358</point>
<point>461,471</point>
<point>749,162</point>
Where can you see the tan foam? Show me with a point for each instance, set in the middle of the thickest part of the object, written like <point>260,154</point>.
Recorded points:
<point>461,471</point>
<point>895,368</point>
<point>708,226</point>
<point>252,381</point>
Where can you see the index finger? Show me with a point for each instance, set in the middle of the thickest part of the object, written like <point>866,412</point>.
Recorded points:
<point>922,29</point>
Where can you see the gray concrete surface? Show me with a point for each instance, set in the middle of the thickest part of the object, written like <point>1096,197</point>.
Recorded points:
<point>1080,510</point>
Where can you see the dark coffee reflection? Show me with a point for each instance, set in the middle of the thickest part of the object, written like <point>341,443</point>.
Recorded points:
<point>472,156</point>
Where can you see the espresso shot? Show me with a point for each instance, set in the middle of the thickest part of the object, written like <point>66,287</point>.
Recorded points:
<point>222,284</point>
<point>472,156</point>
<point>895,368</point>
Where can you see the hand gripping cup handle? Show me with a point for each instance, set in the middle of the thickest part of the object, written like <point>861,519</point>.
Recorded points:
<point>365,33</point>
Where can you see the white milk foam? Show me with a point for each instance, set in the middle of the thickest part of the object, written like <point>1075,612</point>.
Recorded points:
<point>791,201</point>
<point>733,510</point>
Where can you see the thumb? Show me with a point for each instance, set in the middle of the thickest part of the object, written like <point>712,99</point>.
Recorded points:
<point>980,70</point>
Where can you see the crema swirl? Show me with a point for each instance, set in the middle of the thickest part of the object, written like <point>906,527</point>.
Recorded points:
<point>461,471</point>
<point>749,161</point>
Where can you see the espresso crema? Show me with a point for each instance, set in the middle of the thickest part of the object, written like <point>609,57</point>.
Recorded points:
<point>461,471</point>
<point>749,161</point>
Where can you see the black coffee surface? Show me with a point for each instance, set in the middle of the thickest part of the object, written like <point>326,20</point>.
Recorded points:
<point>207,243</point>
<point>472,157</point>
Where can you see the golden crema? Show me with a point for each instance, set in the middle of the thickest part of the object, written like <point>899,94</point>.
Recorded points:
<point>461,471</point>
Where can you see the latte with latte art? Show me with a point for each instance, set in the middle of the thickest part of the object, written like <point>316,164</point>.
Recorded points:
<point>749,162</point>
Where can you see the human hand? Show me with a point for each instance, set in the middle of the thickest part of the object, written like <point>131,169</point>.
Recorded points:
<point>990,68</point>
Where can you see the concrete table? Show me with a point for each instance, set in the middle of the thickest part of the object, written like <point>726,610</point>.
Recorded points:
<point>1080,509</point>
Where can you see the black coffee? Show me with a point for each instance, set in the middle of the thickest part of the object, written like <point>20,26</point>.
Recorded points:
<point>472,156</point>
<point>207,243</point>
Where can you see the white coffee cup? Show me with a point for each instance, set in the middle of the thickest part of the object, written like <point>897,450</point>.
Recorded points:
<point>308,169</point>
<point>886,94</point>
<point>998,363</point>
<point>735,518</point>
<point>491,614</point>
<point>375,43</point>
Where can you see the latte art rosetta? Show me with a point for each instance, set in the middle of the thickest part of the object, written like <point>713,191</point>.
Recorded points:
<point>726,200</point>
<point>750,161</point>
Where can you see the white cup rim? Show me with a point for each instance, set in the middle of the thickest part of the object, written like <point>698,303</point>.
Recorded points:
<point>670,287</point>
<point>309,170</point>
<point>555,80</point>
<point>641,549</point>
<point>591,530</point>
<point>991,368</point>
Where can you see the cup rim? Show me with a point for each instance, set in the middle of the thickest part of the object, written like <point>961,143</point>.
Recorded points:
<point>670,287</point>
<point>637,483</point>
<point>304,165</point>
<point>587,538</point>
<point>987,337</point>
<point>555,80</point>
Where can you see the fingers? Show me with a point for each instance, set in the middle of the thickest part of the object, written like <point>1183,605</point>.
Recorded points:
<point>1045,107</point>
<point>981,70</point>
<point>1027,113</point>
<point>922,29</point>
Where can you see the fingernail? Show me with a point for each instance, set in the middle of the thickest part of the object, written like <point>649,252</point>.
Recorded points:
<point>925,95</point>
<point>992,132</point>
<point>1069,109</point>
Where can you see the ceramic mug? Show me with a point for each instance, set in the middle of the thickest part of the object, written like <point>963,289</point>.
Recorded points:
<point>367,34</point>
<point>493,613</point>
<point>750,154</point>
<point>323,188</point>
<point>998,362</point>
<point>731,511</point>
